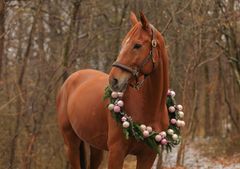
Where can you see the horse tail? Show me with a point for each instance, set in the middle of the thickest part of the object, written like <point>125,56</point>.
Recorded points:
<point>84,151</point>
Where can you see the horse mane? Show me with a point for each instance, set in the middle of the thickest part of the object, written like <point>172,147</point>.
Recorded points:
<point>163,66</point>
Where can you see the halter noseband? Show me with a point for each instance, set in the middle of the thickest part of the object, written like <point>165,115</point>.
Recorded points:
<point>137,70</point>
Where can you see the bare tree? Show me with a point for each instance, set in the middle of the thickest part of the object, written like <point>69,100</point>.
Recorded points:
<point>42,42</point>
<point>2,12</point>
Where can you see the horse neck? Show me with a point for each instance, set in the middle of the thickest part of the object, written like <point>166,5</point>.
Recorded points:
<point>148,105</point>
<point>145,105</point>
<point>152,94</point>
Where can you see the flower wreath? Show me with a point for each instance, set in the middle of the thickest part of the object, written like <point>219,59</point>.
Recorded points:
<point>167,139</point>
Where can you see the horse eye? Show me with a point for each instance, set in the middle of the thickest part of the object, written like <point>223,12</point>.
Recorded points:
<point>137,46</point>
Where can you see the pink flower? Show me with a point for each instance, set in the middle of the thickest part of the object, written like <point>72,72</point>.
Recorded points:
<point>116,109</point>
<point>173,121</point>
<point>123,118</point>
<point>164,141</point>
<point>145,133</point>
<point>169,92</point>
<point>120,103</point>
<point>171,109</point>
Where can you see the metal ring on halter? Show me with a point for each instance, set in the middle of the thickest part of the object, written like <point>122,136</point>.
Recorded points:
<point>154,43</point>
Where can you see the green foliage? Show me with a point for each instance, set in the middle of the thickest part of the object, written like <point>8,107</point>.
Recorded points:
<point>107,93</point>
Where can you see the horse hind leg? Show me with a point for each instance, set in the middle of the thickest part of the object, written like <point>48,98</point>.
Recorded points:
<point>79,153</point>
<point>91,157</point>
<point>71,141</point>
<point>72,146</point>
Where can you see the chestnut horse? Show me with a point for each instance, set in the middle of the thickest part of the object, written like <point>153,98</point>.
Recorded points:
<point>82,113</point>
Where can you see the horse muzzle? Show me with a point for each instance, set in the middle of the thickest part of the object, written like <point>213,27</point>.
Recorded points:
<point>118,84</point>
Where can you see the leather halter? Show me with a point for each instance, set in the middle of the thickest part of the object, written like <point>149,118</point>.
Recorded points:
<point>138,69</point>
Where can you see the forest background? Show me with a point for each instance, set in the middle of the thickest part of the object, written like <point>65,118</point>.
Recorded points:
<point>44,41</point>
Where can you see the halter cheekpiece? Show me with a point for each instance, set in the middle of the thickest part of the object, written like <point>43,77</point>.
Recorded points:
<point>138,69</point>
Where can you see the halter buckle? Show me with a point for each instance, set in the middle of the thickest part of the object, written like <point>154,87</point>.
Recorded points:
<point>154,43</point>
<point>135,72</point>
<point>138,85</point>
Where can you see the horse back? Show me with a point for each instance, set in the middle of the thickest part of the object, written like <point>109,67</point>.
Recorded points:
<point>73,82</point>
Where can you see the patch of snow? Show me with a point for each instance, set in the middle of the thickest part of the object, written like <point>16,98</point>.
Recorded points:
<point>193,160</point>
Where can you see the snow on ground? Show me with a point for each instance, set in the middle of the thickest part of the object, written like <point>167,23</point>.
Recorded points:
<point>194,160</point>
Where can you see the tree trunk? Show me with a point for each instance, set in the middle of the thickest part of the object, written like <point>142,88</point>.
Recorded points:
<point>20,88</point>
<point>207,102</point>
<point>67,47</point>
<point>28,154</point>
<point>2,11</point>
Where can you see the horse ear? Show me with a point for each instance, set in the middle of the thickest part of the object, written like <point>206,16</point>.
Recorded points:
<point>133,18</point>
<point>144,21</point>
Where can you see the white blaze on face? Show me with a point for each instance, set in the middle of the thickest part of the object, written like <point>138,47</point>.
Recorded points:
<point>127,40</point>
<point>124,76</point>
<point>124,46</point>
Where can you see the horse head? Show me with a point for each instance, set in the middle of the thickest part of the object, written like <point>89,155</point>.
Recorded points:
<point>139,56</point>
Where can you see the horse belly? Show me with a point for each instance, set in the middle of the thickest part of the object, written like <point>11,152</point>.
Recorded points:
<point>87,113</point>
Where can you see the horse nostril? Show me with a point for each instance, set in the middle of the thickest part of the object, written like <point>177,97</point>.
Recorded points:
<point>114,82</point>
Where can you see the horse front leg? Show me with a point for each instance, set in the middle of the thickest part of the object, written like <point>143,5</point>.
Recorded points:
<point>146,159</point>
<point>116,157</point>
<point>117,145</point>
<point>118,149</point>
